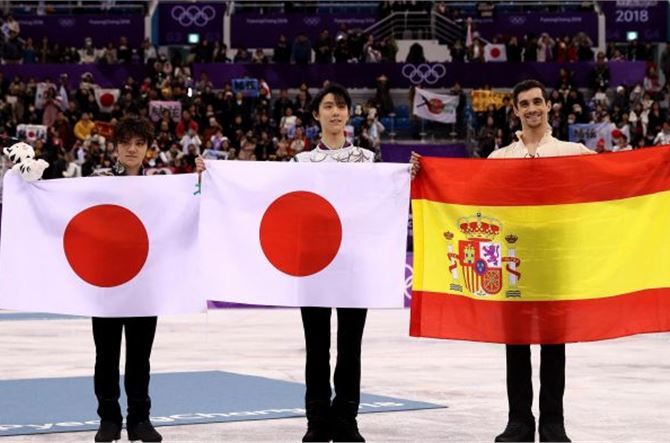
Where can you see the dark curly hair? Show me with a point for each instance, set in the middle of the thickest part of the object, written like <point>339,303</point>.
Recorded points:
<point>130,127</point>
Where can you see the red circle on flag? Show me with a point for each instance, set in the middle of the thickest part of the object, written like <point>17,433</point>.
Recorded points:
<point>300,233</point>
<point>495,52</point>
<point>107,99</point>
<point>435,106</point>
<point>106,245</point>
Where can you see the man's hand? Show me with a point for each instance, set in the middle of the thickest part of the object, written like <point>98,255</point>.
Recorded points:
<point>200,165</point>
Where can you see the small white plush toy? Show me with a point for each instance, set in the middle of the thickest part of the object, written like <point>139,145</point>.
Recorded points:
<point>19,152</point>
<point>30,169</point>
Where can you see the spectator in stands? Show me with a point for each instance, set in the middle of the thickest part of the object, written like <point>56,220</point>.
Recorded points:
<point>486,137</point>
<point>372,54</point>
<point>29,52</point>
<point>109,55</point>
<point>12,50</point>
<point>301,52</point>
<point>655,119</point>
<point>545,48</point>
<point>124,52</point>
<point>220,53</point>
<point>148,51</point>
<point>513,50</point>
<point>651,83</point>
<point>566,50</point>
<point>88,54</point>
<point>259,57</point>
<point>600,75</point>
<point>203,52</point>
<point>665,63</point>
<point>476,51</point>
<point>663,137</point>
<point>185,124</point>
<point>415,54</point>
<point>341,52</point>
<point>242,56</point>
<point>530,49</point>
<point>638,119</point>
<point>84,127</point>
<point>389,49</point>
<point>371,131</point>
<point>43,50</point>
<point>282,52</point>
<point>620,141</point>
<point>584,48</point>
<point>323,48</point>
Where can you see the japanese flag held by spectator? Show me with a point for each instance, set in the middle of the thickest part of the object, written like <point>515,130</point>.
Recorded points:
<point>101,246</point>
<point>106,99</point>
<point>437,107</point>
<point>495,52</point>
<point>291,234</point>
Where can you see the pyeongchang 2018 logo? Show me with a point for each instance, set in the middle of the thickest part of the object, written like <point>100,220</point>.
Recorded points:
<point>193,15</point>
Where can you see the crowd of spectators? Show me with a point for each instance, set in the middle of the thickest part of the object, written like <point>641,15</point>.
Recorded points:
<point>637,114</point>
<point>225,124</point>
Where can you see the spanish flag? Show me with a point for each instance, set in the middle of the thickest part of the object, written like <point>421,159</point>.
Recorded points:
<point>544,250</point>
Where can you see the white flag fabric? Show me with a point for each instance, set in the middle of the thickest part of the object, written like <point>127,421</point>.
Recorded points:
<point>100,246</point>
<point>437,107</point>
<point>31,133</point>
<point>106,98</point>
<point>495,52</point>
<point>305,234</point>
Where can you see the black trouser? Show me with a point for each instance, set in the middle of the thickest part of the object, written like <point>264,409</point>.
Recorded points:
<point>107,333</point>
<point>520,386</point>
<point>350,324</point>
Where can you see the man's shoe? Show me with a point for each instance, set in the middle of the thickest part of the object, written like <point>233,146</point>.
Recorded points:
<point>108,431</point>
<point>143,431</point>
<point>346,429</point>
<point>517,431</point>
<point>318,431</point>
<point>553,431</point>
<point>318,421</point>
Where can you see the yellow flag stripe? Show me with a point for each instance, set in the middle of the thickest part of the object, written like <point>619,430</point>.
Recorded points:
<point>566,252</point>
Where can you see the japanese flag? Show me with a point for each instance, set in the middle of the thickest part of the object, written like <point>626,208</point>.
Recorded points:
<point>100,246</point>
<point>106,99</point>
<point>495,52</point>
<point>305,234</point>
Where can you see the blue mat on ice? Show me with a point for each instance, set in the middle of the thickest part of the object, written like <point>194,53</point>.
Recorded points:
<point>41,406</point>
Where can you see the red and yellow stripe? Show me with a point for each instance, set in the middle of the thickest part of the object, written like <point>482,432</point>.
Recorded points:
<point>593,243</point>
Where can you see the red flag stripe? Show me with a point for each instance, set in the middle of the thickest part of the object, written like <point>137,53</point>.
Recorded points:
<point>518,322</point>
<point>543,181</point>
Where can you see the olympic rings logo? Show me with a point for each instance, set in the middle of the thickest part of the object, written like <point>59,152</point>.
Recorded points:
<point>193,15</point>
<point>424,73</point>
<point>66,22</point>
<point>517,19</point>
<point>311,21</point>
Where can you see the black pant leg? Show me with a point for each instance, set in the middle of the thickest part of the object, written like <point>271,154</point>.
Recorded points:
<point>552,383</point>
<point>316,324</point>
<point>519,383</point>
<point>140,333</point>
<point>350,325</point>
<point>107,337</point>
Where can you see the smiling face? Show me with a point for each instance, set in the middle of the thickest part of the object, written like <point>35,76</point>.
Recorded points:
<point>532,109</point>
<point>333,114</point>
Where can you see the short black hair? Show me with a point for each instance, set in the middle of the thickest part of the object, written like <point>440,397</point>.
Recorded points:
<point>133,126</point>
<point>339,92</point>
<point>527,85</point>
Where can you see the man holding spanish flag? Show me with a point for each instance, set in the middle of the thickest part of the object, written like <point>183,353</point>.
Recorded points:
<point>535,141</point>
<point>477,257</point>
